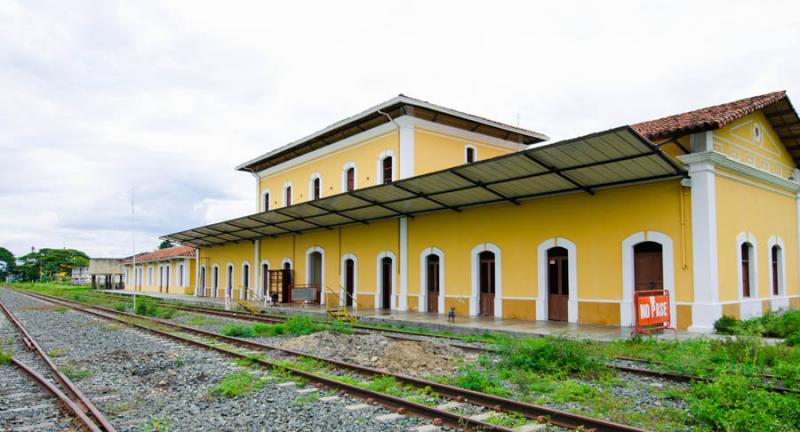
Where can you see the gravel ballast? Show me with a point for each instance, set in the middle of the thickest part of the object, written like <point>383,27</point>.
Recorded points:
<point>135,378</point>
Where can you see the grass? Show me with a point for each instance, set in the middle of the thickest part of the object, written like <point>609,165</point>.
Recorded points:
<point>236,385</point>
<point>297,325</point>
<point>147,307</point>
<point>75,373</point>
<point>507,420</point>
<point>6,356</point>
<point>307,399</point>
<point>56,352</point>
<point>158,424</point>
<point>784,325</point>
<point>198,320</point>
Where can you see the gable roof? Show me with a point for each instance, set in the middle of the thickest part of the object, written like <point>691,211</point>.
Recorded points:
<point>164,254</point>
<point>776,107</point>
<point>379,114</point>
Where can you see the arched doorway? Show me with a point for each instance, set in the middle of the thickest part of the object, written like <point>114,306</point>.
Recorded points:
<point>432,269</point>
<point>349,281</point>
<point>229,284</point>
<point>557,284</point>
<point>386,283</point>
<point>315,268</point>
<point>214,281</point>
<point>486,279</point>
<point>245,281</point>
<point>286,283</point>
<point>202,281</point>
<point>648,271</point>
<point>264,280</point>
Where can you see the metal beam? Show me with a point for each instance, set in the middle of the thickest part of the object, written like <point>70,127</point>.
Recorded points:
<point>424,196</point>
<point>557,172</point>
<point>300,219</point>
<point>332,211</point>
<point>484,187</point>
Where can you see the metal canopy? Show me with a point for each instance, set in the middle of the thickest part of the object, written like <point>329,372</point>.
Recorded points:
<point>601,160</point>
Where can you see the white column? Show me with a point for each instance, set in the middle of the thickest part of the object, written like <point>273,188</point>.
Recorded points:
<point>406,132</point>
<point>197,272</point>
<point>706,308</point>
<point>255,283</point>
<point>403,297</point>
<point>797,200</point>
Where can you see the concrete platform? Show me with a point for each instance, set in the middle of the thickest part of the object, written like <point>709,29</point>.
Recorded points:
<point>438,322</point>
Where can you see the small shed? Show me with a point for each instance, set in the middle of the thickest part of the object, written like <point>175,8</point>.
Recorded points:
<point>106,273</point>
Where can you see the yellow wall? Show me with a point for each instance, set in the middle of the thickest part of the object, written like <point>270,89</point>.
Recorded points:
<point>364,154</point>
<point>434,150</point>
<point>596,224</point>
<point>743,207</point>
<point>738,141</point>
<point>221,256</point>
<point>174,283</point>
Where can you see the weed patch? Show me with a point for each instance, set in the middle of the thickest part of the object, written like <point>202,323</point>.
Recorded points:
<point>75,373</point>
<point>6,356</point>
<point>147,307</point>
<point>56,352</point>
<point>157,424</point>
<point>549,355</point>
<point>237,384</point>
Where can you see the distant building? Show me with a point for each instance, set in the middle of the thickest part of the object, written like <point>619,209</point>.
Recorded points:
<point>106,273</point>
<point>80,276</point>
<point>167,270</point>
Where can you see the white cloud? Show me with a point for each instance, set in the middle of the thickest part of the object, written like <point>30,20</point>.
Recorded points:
<point>97,98</point>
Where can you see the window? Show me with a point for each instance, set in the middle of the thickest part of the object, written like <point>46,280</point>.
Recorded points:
<point>315,187</point>
<point>746,277</point>
<point>776,258</point>
<point>265,202</point>
<point>469,154</point>
<point>287,196</point>
<point>215,280</point>
<point>350,179</point>
<point>246,276</point>
<point>387,170</point>
<point>180,275</point>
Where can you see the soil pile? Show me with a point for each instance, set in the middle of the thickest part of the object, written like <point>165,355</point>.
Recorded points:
<point>407,357</point>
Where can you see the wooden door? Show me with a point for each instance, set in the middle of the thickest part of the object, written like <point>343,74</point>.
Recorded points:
<point>386,283</point>
<point>647,264</point>
<point>287,280</point>
<point>349,281</point>
<point>487,283</point>
<point>557,284</point>
<point>433,283</point>
<point>745,270</point>
<point>775,279</point>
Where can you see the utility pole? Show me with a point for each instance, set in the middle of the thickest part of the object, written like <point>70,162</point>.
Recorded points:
<point>133,245</point>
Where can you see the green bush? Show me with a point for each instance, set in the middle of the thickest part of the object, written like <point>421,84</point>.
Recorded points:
<point>237,330</point>
<point>726,325</point>
<point>472,378</point>
<point>147,307</point>
<point>732,403</point>
<point>548,355</point>
<point>236,384</point>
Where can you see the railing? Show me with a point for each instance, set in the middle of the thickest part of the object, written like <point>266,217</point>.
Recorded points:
<point>340,302</point>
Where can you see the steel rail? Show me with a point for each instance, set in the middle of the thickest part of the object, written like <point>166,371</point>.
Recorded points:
<point>67,406</point>
<point>72,390</point>
<point>408,335</point>
<point>439,416</point>
<point>530,411</point>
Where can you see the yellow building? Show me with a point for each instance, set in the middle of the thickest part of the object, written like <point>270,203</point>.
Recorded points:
<point>169,271</point>
<point>411,206</point>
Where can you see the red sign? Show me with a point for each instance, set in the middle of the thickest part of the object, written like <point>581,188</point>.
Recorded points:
<point>652,310</point>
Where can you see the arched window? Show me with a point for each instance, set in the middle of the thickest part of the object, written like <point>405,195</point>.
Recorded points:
<point>287,195</point>
<point>746,263</point>
<point>315,187</point>
<point>350,179</point>
<point>776,258</point>
<point>386,171</point>
<point>215,280</point>
<point>229,284</point>
<point>469,154</point>
<point>265,201</point>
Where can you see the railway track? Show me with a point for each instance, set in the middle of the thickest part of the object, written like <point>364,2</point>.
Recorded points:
<point>57,406</point>
<point>399,334</point>
<point>538,417</point>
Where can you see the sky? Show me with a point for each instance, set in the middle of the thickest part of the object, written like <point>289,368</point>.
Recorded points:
<point>105,101</point>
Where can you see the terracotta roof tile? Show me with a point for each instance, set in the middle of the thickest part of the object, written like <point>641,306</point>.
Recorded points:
<point>709,118</point>
<point>163,254</point>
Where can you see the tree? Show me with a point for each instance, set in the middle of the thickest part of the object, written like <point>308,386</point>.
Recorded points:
<point>166,244</point>
<point>50,264</point>
<point>7,263</point>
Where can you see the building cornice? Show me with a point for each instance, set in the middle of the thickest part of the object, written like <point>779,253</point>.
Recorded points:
<point>722,161</point>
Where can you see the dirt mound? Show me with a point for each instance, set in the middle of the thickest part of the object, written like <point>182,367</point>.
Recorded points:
<point>406,357</point>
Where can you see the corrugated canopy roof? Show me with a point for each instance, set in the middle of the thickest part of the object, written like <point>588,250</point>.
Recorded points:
<point>606,159</point>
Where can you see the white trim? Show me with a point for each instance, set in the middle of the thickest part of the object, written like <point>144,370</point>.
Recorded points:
<point>779,301</point>
<point>311,179</point>
<point>214,281</point>
<point>197,289</point>
<point>542,311</point>
<point>460,296</point>
<point>346,167</point>
<point>386,104</point>
<point>465,136</point>
<point>287,260</point>
<point>516,298</point>
<point>249,278</point>
<point>403,298</point>
<point>258,191</point>
<point>705,267</point>
<point>379,175</point>
<point>740,168</point>
<point>261,279</point>
<point>264,200</point>
<point>628,279</point>
<point>406,139</point>
<point>322,270</point>
<point>423,280</point>
<point>749,307</point>
<point>498,279</point>
<point>754,184</point>
<point>474,153</point>
<point>343,280</point>
<point>286,185</point>
<point>230,279</point>
<point>599,301</point>
<point>256,280</point>
<point>379,280</point>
